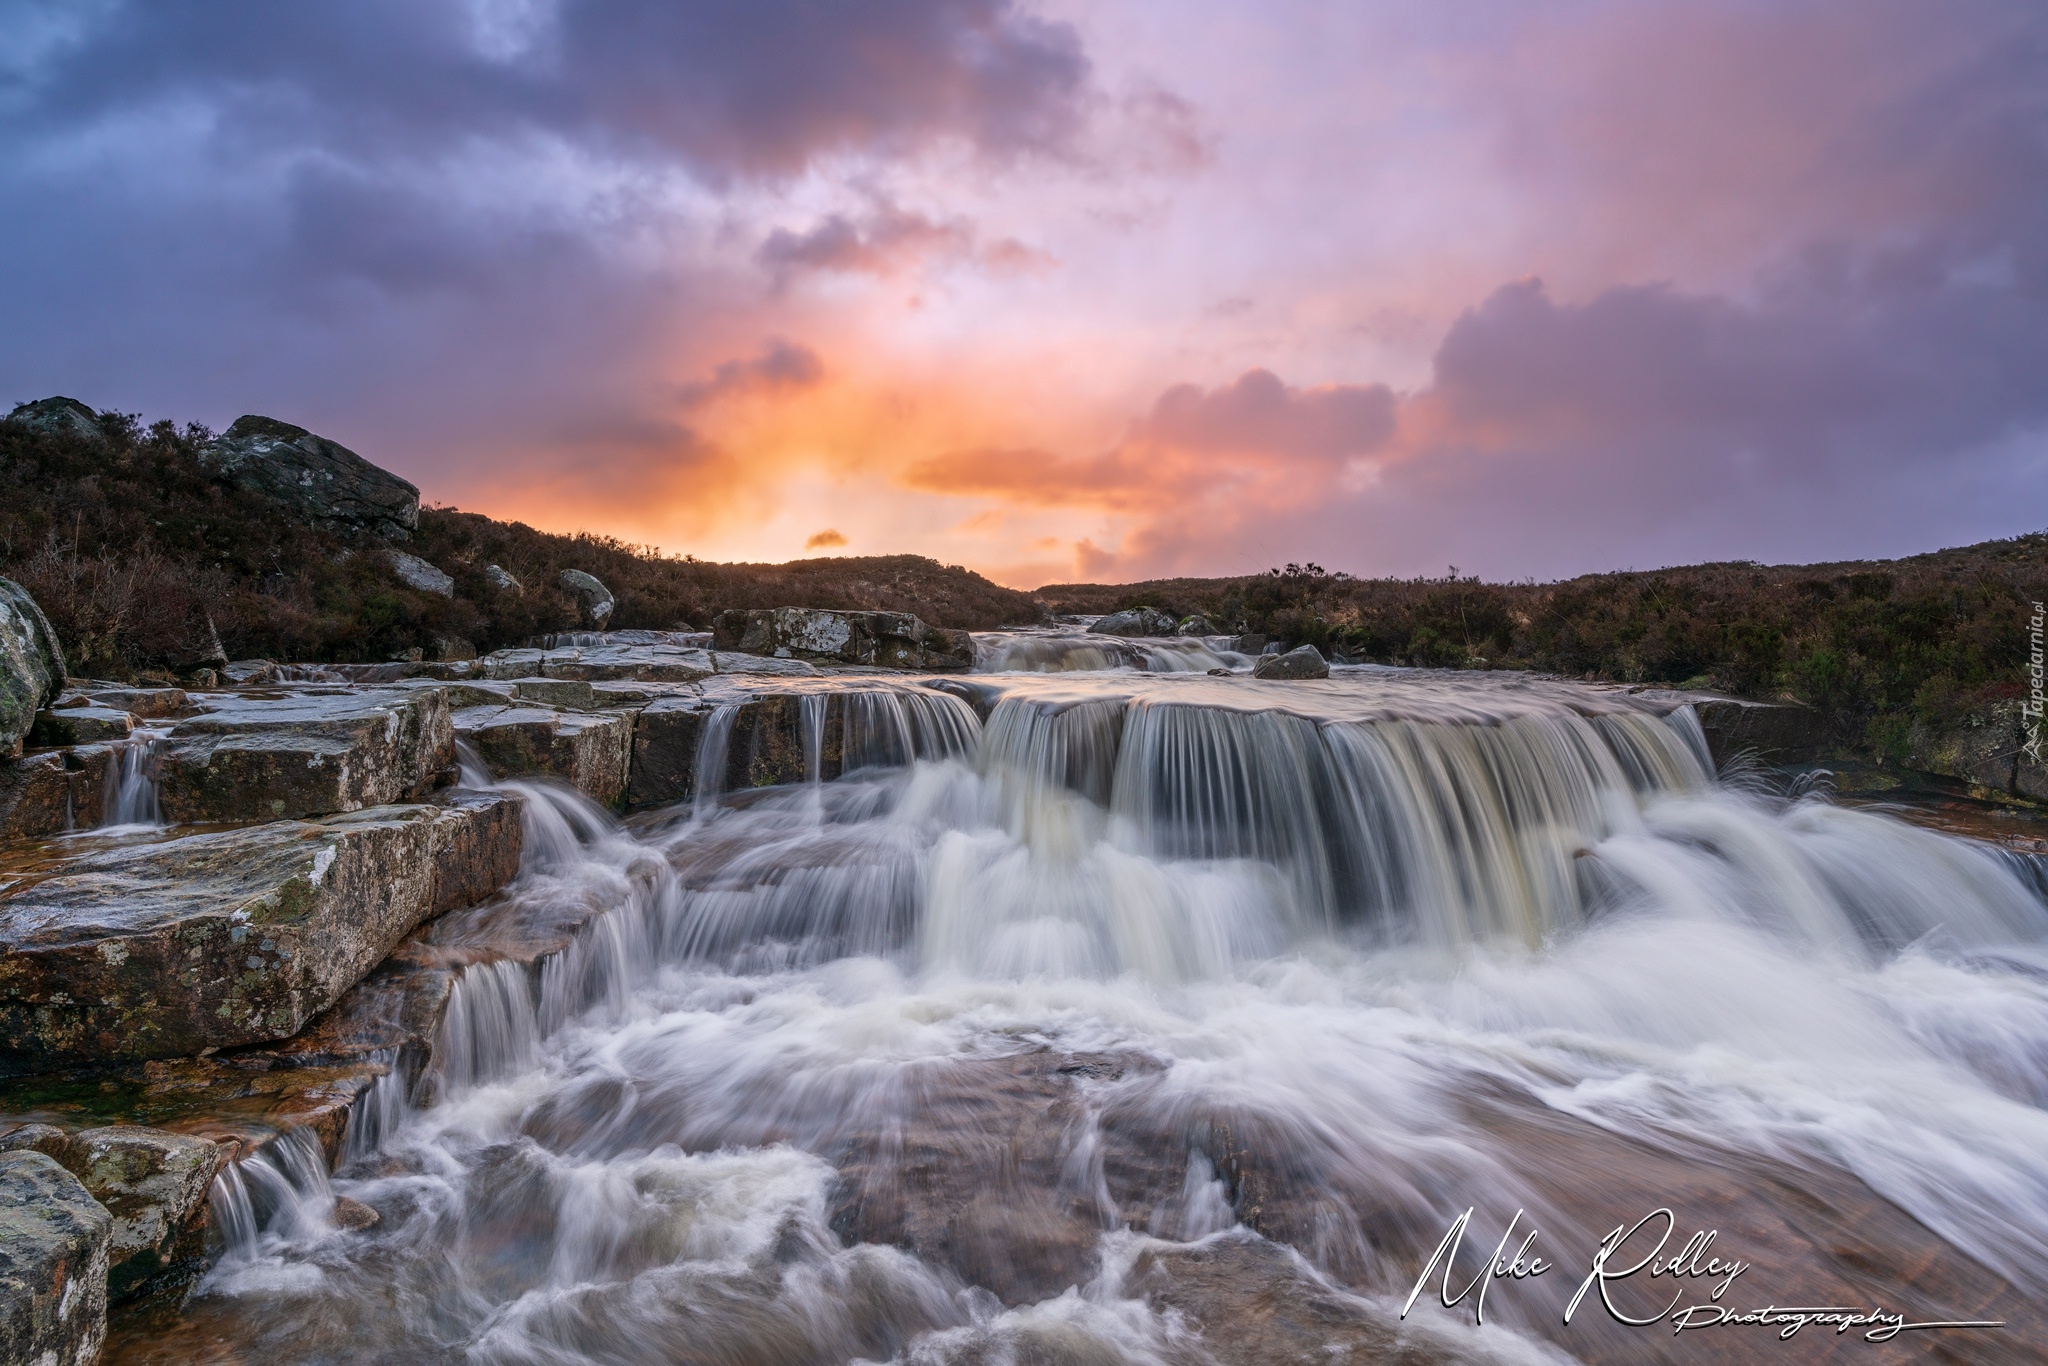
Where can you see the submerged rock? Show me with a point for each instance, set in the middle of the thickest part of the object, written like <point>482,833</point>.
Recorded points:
<point>53,1264</point>
<point>226,937</point>
<point>417,573</point>
<point>31,665</point>
<point>332,486</point>
<point>592,596</point>
<point>1303,661</point>
<point>890,640</point>
<point>1135,621</point>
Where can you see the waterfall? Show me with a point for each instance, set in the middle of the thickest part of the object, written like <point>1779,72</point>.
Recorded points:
<point>1065,650</point>
<point>131,797</point>
<point>281,1192</point>
<point>489,1029</point>
<point>713,747</point>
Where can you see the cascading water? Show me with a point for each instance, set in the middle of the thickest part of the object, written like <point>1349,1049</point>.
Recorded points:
<point>949,1059</point>
<point>131,798</point>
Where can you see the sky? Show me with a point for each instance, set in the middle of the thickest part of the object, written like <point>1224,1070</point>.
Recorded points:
<point>1072,291</point>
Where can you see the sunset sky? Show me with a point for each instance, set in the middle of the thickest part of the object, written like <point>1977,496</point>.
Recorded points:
<point>1072,291</point>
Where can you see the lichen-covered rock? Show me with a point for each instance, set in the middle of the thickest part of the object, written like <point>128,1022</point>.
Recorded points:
<point>889,640</point>
<point>307,754</point>
<point>502,580</point>
<point>593,597</point>
<point>226,937</point>
<point>53,1264</point>
<point>31,665</point>
<point>1303,661</point>
<point>647,663</point>
<point>1196,625</point>
<point>328,483</point>
<point>47,792</point>
<point>1136,621</point>
<point>80,726</point>
<point>591,751</point>
<point>151,1181</point>
<point>417,573</point>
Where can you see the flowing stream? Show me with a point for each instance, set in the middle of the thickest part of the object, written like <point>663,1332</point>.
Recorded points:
<point>1079,985</point>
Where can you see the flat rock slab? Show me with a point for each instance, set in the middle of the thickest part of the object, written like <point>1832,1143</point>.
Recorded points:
<point>81,725</point>
<point>209,940</point>
<point>285,755</point>
<point>590,751</point>
<point>53,1264</point>
<point>890,640</point>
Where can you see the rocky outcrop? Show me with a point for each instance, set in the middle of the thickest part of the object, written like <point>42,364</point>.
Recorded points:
<point>887,640</point>
<point>1196,625</point>
<point>417,573</point>
<point>502,580</point>
<point>31,665</point>
<point>1136,621</point>
<point>53,1264</point>
<point>1303,661</point>
<point>329,484</point>
<point>59,414</point>
<point>152,1182</point>
<point>592,597</point>
<point>226,937</point>
<point>289,755</point>
<point>591,751</point>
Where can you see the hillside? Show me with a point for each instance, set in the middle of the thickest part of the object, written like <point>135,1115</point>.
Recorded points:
<point>136,551</point>
<point>1878,646</point>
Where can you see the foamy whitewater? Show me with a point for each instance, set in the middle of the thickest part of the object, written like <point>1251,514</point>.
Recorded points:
<point>1075,973</point>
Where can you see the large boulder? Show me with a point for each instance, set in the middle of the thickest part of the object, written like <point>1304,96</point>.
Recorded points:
<point>417,573</point>
<point>1303,661</point>
<point>53,1264</point>
<point>152,1182</point>
<point>1136,621</point>
<point>592,597</point>
<point>31,665</point>
<point>889,640</point>
<point>59,414</point>
<point>225,937</point>
<point>332,486</point>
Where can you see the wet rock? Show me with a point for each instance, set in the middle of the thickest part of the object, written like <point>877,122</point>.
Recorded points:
<point>50,791</point>
<point>1135,621</point>
<point>889,640</point>
<point>250,673</point>
<point>764,747</point>
<point>1196,625</point>
<point>1303,661</point>
<point>31,665</point>
<point>329,484</point>
<point>590,751</point>
<point>152,1182</point>
<point>417,573</point>
<point>354,1214</point>
<point>153,704</point>
<point>227,937</point>
<point>60,415</point>
<point>1776,733</point>
<point>303,754</point>
<point>53,1264</point>
<point>555,692</point>
<point>591,596</point>
<point>81,726</point>
<point>502,580</point>
<point>1251,644</point>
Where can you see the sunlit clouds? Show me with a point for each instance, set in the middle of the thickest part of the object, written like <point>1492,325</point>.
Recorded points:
<point>1064,291</point>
